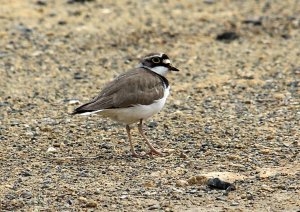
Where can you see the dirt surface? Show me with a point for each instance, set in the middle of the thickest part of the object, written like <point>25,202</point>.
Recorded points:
<point>233,112</point>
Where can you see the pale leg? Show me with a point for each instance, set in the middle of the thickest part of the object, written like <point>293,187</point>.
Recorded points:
<point>152,149</point>
<point>134,154</point>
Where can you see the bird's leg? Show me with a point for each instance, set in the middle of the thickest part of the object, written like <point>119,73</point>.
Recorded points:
<point>152,149</point>
<point>134,154</point>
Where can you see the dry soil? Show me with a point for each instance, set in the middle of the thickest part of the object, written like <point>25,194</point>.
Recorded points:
<point>233,112</point>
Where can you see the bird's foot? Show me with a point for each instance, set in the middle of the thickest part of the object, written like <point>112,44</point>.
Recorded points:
<point>153,152</point>
<point>136,155</point>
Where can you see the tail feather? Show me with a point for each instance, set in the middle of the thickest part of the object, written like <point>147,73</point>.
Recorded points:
<point>82,109</point>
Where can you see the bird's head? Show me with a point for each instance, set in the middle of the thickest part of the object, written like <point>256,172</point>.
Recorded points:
<point>158,63</point>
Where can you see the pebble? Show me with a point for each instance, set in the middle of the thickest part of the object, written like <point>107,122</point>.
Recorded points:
<point>182,183</point>
<point>41,2</point>
<point>149,184</point>
<point>26,195</point>
<point>227,36</point>
<point>183,155</point>
<point>197,180</point>
<point>123,196</point>
<point>222,198</point>
<point>51,149</point>
<point>234,204</point>
<point>72,101</point>
<point>234,157</point>
<point>219,184</point>
<point>257,21</point>
<point>152,124</point>
<point>91,204</point>
<point>154,207</point>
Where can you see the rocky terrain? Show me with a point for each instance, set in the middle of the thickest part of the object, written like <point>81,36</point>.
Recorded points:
<point>233,112</point>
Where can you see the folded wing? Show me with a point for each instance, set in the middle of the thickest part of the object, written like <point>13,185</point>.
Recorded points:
<point>137,87</point>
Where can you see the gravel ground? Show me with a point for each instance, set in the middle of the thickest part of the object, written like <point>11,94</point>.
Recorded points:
<point>233,112</point>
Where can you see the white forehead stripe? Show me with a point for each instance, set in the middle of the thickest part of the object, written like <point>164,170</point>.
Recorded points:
<point>155,55</point>
<point>166,61</point>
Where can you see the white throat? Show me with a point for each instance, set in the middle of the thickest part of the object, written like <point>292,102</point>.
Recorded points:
<point>161,70</point>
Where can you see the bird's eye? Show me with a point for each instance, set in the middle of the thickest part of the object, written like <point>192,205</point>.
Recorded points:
<point>155,60</point>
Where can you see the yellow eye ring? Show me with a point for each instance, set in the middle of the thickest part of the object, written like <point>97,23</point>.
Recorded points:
<point>155,60</point>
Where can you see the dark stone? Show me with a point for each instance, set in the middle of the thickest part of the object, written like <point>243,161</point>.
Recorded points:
<point>255,22</point>
<point>4,104</point>
<point>41,2</point>
<point>286,36</point>
<point>294,84</point>
<point>78,76</point>
<point>216,183</point>
<point>154,207</point>
<point>227,36</point>
<point>78,1</point>
<point>152,124</point>
<point>26,195</point>
<point>25,173</point>
<point>24,29</point>
<point>62,22</point>
<point>209,1</point>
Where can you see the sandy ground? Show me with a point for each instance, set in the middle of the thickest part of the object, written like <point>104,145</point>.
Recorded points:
<point>233,111</point>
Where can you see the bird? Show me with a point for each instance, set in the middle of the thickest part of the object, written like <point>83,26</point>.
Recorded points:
<point>134,96</point>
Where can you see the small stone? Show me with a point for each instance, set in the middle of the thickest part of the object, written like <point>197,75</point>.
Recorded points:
<point>234,157</point>
<point>72,101</point>
<point>154,207</point>
<point>193,191</point>
<point>182,155</point>
<point>266,188</point>
<point>234,204</point>
<point>26,173</point>
<point>29,133</point>
<point>254,21</point>
<point>227,37</point>
<point>111,168</point>
<point>197,180</point>
<point>105,11</point>
<point>78,76</point>
<point>41,2</point>
<point>82,200</point>
<point>219,184</point>
<point>152,124</point>
<point>59,145</point>
<point>62,22</point>
<point>149,184</point>
<point>250,197</point>
<point>209,1</point>
<point>222,198</point>
<point>265,151</point>
<point>182,183</point>
<point>177,190</point>
<point>278,96</point>
<point>91,204</point>
<point>51,149</point>
<point>169,151</point>
<point>26,195</point>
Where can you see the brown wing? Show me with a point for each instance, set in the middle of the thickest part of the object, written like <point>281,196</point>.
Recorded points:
<point>139,86</point>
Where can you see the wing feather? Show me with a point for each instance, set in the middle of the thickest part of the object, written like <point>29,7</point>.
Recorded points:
<point>139,86</point>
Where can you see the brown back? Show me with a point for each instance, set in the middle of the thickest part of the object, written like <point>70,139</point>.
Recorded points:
<point>138,86</point>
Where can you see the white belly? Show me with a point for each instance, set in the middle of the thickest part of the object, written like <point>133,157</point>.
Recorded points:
<point>134,114</point>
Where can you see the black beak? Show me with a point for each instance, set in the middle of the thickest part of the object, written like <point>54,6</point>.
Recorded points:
<point>172,68</point>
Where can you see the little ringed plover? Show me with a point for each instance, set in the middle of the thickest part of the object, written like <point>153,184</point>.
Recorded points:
<point>134,96</point>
